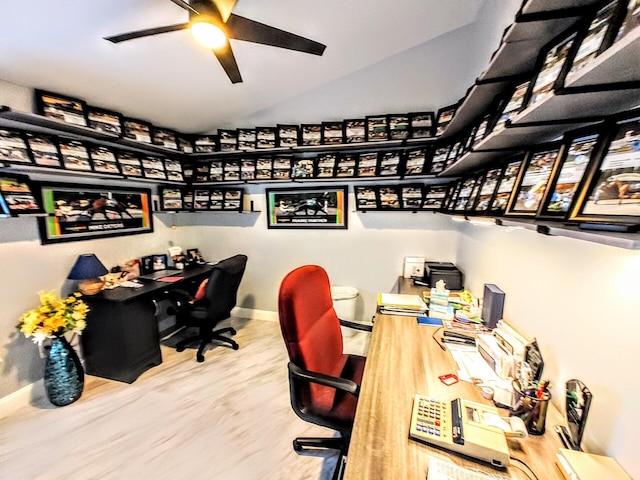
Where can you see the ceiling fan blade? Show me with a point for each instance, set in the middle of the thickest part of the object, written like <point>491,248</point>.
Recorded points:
<point>225,7</point>
<point>186,6</point>
<point>242,28</point>
<point>228,61</point>
<point>146,33</point>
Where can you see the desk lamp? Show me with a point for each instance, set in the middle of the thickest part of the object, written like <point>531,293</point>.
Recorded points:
<point>88,269</point>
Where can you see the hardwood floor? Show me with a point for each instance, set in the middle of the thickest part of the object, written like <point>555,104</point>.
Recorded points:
<point>228,418</point>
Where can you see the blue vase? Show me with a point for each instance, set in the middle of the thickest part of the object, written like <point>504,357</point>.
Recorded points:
<point>63,373</point>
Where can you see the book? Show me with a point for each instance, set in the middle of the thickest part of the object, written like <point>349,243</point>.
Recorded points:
<point>403,301</point>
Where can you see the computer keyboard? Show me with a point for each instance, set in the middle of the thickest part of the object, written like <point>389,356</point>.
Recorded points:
<point>444,470</point>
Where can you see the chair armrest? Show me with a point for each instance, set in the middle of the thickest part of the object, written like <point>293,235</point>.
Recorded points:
<point>338,383</point>
<point>356,326</point>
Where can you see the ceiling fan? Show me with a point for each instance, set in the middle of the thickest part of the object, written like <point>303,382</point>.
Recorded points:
<point>216,16</point>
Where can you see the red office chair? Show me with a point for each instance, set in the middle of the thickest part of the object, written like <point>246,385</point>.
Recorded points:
<point>323,382</point>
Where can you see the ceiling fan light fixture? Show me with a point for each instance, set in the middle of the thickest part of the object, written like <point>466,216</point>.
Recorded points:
<point>207,33</point>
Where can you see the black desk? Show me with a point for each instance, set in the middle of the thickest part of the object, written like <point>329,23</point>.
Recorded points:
<point>121,339</point>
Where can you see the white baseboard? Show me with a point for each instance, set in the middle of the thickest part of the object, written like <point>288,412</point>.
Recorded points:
<point>253,314</point>
<point>9,404</point>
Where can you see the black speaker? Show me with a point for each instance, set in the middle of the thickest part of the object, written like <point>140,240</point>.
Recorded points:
<point>492,305</point>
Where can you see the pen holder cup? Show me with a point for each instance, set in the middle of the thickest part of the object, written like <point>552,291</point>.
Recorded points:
<point>532,410</point>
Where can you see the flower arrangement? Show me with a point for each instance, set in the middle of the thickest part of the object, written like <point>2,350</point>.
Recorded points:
<point>54,317</point>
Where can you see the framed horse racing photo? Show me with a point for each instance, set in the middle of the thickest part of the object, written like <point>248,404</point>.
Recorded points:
<point>315,207</point>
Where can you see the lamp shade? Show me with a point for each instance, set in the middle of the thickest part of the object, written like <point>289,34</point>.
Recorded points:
<point>87,266</point>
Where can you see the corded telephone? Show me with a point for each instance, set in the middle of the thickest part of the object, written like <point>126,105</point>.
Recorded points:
<point>466,427</point>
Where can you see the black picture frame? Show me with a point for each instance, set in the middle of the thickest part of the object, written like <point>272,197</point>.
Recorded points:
<point>74,155</point>
<point>288,135</point>
<point>86,212</point>
<point>444,117</point>
<point>506,185</point>
<point>490,181</point>
<point>248,169</point>
<point>104,160</point>
<point>104,121</point>
<point>153,167</point>
<point>227,141</point>
<point>481,131</point>
<point>19,196</point>
<point>61,107</point>
<point>282,165</point>
<point>266,137</point>
<point>216,198</point>
<point>201,172</point>
<point>390,163</point>
<point>578,149</point>
<point>43,149</point>
<point>171,199</point>
<point>439,159</point>
<point>367,197</point>
<point>185,143</point>
<point>475,193</point>
<point>332,133</point>
<point>13,147</point>
<point>130,164</point>
<point>216,170</point>
<point>136,130</point>
<point>630,21</point>
<point>303,168</point>
<point>232,170</point>
<point>264,168</point>
<point>511,106</point>
<point>164,137</point>
<point>246,139</point>
<point>368,163</point>
<point>389,197</point>
<point>609,193</point>
<point>435,197</point>
<point>355,130</point>
<point>233,199</point>
<point>422,124</point>
<point>325,165</point>
<point>377,128</point>
<point>312,207</point>
<point>417,161</point>
<point>347,165</point>
<point>205,143</point>
<point>310,134</point>
<point>452,196</point>
<point>398,126</point>
<point>174,170</point>
<point>464,196</point>
<point>201,199</point>
<point>412,196</point>
<point>187,199</point>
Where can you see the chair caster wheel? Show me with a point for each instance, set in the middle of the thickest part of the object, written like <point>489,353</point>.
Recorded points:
<point>232,331</point>
<point>235,347</point>
<point>296,446</point>
<point>200,358</point>
<point>180,348</point>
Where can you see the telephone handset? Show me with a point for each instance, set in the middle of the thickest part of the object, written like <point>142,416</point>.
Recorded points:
<point>466,427</point>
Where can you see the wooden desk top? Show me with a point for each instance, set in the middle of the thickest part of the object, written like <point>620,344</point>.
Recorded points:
<point>404,360</point>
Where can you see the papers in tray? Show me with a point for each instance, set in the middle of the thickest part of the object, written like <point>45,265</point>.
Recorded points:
<point>401,304</point>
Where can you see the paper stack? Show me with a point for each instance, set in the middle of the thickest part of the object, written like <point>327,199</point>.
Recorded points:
<point>439,306</point>
<point>401,304</point>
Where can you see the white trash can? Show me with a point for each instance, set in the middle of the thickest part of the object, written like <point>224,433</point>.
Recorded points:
<point>344,302</point>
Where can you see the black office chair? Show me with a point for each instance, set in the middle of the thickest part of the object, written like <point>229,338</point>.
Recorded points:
<point>220,296</point>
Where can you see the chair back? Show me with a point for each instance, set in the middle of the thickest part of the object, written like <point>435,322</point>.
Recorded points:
<point>311,329</point>
<point>222,289</point>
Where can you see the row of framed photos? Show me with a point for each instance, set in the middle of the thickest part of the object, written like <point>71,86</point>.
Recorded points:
<point>77,112</point>
<point>557,65</point>
<point>28,148</point>
<point>201,199</point>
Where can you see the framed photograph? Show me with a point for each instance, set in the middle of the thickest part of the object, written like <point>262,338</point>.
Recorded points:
<point>75,155</point>
<point>439,160</point>
<point>487,190</point>
<point>171,199</point>
<point>201,199</point>
<point>173,168</point>
<point>188,170</point>
<point>163,137</point>
<point>246,138</point>
<point>233,199</point>
<point>390,163</point>
<point>538,167</point>
<point>416,162</point>
<point>137,130</point>
<point>366,197</point>
<point>512,107</point>
<point>367,164</point>
<point>79,212</point>
<point>288,135</point>
<point>377,128</point>
<point>13,147</point>
<point>480,132</point>
<point>205,144</point>
<point>325,165</point>
<point>553,61</point>
<point>317,207</point>
<point>611,189</point>
<point>506,185</point>
<point>282,167</point>
<point>248,169</point>
<point>576,154</point>
<point>187,199</point>
<point>104,159</point>
<point>44,150</point>
<point>464,194</point>
<point>389,197</point>
<point>332,133</point>
<point>104,121</point>
<point>434,197</point>
<point>216,199</point>
<point>18,195</point>
<point>398,126</point>
<point>266,137</point>
<point>453,155</point>
<point>185,144</point>
<point>452,196</point>
<point>264,168</point>
<point>355,130</point>
<point>445,115</point>
<point>412,197</point>
<point>232,170</point>
<point>311,134</point>
<point>346,166</point>
<point>302,168</point>
<point>630,21</point>
<point>153,167</point>
<point>421,124</point>
<point>201,172</point>
<point>475,193</point>
<point>129,162</point>
<point>227,141</point>
<point>61,108</point>
<point>216,171</point>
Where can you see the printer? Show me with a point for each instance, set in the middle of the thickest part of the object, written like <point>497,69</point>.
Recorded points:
<point>446,271</point>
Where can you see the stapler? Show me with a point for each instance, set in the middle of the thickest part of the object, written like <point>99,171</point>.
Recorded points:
<point>457,337</point>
